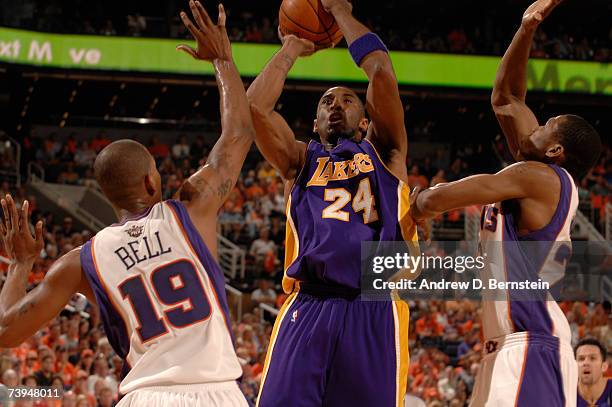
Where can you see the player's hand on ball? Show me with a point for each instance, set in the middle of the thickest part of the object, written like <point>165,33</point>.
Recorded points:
<point>537,12</point>
<point>329,5</point>
<point>306,47</point>
<point>211,39</point>
<point>18,242</point>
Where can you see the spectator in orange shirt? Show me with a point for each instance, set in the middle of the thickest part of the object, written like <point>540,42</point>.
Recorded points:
<point>31,364</point>
<point>63,367</point>
<point>253,190</point>
<point>236,197</point>
<point>87,359</point>
<point>157,148</point>
<point>52,339</point>
<point>80,388</point>
<point>99,142</point>
<point>428,326</point>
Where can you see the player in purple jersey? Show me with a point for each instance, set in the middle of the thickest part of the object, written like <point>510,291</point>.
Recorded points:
<point>329,348</point>
<point>529,360</point>
<point>128,176</point>
<point>594,389</point>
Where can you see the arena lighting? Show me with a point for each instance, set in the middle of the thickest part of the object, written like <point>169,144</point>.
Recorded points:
<point>412,68</point>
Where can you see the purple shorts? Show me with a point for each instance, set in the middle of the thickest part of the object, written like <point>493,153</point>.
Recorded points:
<point>333,350</point>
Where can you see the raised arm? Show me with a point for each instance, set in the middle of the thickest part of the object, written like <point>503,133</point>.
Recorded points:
<point>383,101</point>
<point>508,98</point>
<point>206,190</point>
<point>274,137</point>
<point>21,313</point>
<point>517,181</point>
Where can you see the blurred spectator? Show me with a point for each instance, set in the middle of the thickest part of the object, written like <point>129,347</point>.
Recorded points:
<point>136,24</point>
<point>264,293</point>
<point>157,148</point>
<point>44,376</point>
<point>101,372</point>
<point>181,149</point>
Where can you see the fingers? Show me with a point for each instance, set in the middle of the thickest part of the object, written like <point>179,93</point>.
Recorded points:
<point>187,22</point>
<point>188,50</point>
<point>222,17</point>
<point>14,215</point>
<point>25,216</point>
<point>203,14</point>
<point>197,15</point>
<point>5,214</point>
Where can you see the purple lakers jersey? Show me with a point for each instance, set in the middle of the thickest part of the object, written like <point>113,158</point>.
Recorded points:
<point>605,400</point>
<point>340,199</point>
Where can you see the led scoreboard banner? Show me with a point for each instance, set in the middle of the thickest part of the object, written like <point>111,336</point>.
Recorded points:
<point>412,68</point>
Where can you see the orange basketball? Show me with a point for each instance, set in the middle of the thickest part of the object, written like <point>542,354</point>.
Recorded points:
<point>308,19</point>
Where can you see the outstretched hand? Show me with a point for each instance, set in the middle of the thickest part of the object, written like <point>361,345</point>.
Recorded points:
<point>211,39</point>
<point>18,242</point>
<point>537,12</point>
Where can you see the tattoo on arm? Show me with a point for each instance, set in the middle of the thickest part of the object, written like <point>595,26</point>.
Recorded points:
<point>224,188</point>
<point>25,307</point>
<point>285,62</point>
<point>202,186</point>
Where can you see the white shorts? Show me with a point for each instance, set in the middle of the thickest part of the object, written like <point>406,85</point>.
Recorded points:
<point>526,370</point>
<point>224,394</point>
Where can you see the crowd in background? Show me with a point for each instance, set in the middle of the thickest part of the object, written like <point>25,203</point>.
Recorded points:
<point>445,341</point>
<point>483,29</point>
<point>72,351</point>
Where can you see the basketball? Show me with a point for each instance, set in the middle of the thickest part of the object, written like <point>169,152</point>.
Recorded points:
<point>308,19</point>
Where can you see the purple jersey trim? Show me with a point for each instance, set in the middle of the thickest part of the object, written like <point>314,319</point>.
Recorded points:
<point>114,325</point>
<point>134,217</point>
<point>536,388</point>
<point>529,312</point>
<point>605,400</point>
<point>208,261</point>
<point>551,231</point>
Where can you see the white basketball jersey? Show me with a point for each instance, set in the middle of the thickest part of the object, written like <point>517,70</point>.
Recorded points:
<point>162,300</point>
<point>541,254</point>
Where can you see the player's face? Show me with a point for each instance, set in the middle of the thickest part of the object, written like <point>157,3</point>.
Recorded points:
<point>590,365</point>
<point>541,141</point>
<point>339,114</point>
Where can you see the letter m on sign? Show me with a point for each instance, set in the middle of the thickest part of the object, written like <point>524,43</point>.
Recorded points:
<point>549,79</point>
<point>40,52</point>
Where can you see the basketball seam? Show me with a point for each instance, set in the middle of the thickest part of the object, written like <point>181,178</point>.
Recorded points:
<point>301,26</point>
<point>318,17</point>
<point>331,41</point>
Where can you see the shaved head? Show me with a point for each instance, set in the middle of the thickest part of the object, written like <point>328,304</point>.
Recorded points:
<point>126,173</point>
